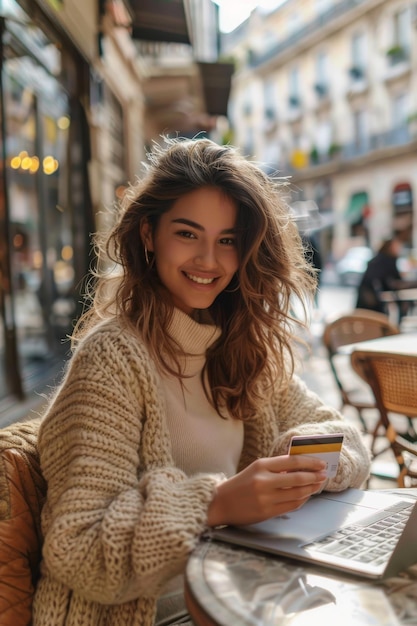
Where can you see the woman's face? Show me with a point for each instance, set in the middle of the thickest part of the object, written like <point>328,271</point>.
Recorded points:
<point>195,247</point>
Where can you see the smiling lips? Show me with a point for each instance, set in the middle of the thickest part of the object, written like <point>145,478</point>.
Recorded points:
<point>200,280</point>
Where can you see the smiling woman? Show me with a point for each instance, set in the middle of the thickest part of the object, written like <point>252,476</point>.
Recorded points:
<point>195,247</point>
<point>180,399</point>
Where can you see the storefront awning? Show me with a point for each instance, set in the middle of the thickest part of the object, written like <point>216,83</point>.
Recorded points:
<point>216,79</point>
<point>358,202</point>
<point>159,20</point>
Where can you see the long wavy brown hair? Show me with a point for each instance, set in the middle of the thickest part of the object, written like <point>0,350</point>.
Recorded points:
<point>255,313</point>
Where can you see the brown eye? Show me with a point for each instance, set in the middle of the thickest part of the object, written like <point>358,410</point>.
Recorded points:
<point>186,234</point>
<point>228,241</point>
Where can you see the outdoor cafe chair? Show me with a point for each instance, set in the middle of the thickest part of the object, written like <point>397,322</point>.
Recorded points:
<point>352,327</point>
<point>393,380</point>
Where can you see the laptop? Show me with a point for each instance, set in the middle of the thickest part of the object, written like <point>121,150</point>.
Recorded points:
<point>365,533</point>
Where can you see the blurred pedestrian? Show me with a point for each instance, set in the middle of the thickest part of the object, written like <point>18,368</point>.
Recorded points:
<point>382,274</point>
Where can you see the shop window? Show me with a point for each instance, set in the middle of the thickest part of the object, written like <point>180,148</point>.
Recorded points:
<point>37,123</point>
<point>402,201</point>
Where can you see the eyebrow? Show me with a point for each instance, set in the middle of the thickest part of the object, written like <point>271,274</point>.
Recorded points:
<point>180,220</point>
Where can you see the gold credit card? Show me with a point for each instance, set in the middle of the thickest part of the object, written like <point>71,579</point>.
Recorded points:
<point>325,447</point>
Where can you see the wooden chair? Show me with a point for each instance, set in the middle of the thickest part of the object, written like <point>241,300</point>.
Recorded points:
<point>22,493</point>
<point>352,327</point>
<point>393,380</point>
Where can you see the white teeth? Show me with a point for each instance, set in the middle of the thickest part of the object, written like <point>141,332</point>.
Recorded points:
<point>201,281</point>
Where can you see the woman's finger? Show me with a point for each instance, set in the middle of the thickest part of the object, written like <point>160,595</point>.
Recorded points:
<point>293,463</point>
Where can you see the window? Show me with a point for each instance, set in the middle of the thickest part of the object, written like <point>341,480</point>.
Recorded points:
<point>293,23</point>
<point>249,146</point>
<point>322,67</point>
<point>358,56</point>
<point>269,100</point>
<point>323,5</point>
<point>247,101</point>
<point>322,74</point>
<point>294,87</point>
<point>273,153</point>
<point>402,28</point>
<point>401,37</point>
<point>323,136</point>
<point>361,130</point>
<point>270,39</point>
<point>399,110</point>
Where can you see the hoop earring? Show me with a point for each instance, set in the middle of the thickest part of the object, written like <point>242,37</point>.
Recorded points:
<point>150,261</point>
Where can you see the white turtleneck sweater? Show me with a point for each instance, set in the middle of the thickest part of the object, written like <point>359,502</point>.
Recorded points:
<point>202,441</point>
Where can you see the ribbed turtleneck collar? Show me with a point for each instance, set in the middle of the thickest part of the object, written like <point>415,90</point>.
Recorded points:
<point>193,337</point>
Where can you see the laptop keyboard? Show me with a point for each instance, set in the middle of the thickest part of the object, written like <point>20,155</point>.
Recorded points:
<point>371,540</point>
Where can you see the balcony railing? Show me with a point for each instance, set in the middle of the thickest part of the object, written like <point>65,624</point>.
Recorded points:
<point>164,53</point>
<point>315,25</point>
<point>394,137</point>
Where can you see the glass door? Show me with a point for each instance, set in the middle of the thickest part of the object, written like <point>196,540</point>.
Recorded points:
<point>36,130</point>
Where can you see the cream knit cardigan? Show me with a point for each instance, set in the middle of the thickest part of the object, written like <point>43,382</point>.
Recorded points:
<point>120,519</point>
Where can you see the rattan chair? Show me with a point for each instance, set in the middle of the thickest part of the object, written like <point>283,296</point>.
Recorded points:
<point>352,327</point>
<point>393,380</point>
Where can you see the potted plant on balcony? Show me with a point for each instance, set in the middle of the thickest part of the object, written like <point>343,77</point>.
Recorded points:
<point>396,54</point>
<point>412,123</point>
<point>314,155</point>
<point>334,150</point>
<point>228,137</point>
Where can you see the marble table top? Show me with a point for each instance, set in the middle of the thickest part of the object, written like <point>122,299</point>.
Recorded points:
<point>242,587</point>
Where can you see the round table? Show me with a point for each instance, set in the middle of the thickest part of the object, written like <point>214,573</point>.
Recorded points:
<point>233,586</point>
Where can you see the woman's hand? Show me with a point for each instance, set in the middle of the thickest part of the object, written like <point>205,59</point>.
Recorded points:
<point>266,488</point>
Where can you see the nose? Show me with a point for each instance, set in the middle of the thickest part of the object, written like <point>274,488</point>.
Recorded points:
<point>206,255</point>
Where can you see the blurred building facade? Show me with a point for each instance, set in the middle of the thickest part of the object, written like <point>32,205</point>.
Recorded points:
<point>326,93</point>
<point>85,89</point>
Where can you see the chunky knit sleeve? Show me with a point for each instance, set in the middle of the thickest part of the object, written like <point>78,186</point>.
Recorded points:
<point>300,411</point>
<point>119,520</point>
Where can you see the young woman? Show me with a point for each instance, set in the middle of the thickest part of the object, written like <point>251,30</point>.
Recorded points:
<point>179,402</point>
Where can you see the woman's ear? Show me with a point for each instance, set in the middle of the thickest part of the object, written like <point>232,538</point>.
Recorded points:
<point>146,235</point>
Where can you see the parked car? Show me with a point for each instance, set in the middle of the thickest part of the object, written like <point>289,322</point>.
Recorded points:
<point>353,264</point>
